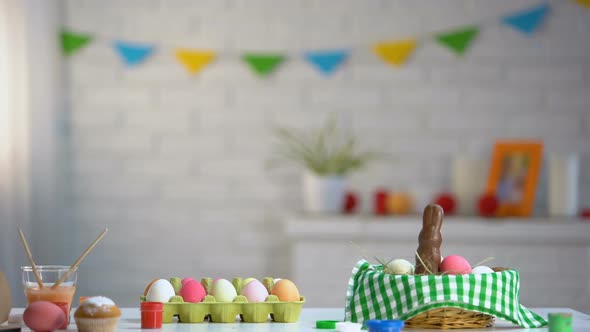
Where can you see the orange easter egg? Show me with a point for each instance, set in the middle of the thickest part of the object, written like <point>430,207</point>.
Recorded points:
<point>285,290</point>
<point>400,203</point>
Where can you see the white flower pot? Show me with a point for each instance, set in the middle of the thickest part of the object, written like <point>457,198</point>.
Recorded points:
<point>323,194</point>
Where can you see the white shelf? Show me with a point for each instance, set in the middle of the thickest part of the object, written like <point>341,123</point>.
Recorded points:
<point>334,227</point>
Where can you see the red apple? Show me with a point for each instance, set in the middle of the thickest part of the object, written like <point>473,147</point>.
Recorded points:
<point>350,202</point>
<point>487,205</point>
<point>447,202</point>
<point>380,202</point>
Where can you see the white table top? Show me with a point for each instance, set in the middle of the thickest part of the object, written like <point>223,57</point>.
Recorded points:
<point>130,321</point>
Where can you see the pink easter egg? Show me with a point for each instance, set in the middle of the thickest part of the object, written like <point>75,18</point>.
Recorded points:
<point>43,316</point>
<point>185,280</point>
<point>455,264</point>
<point>192,291</point>
<point>255,291</point>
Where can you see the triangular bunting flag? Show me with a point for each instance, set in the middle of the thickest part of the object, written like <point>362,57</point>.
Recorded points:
<point>326,61</point>
<point>458,40</point>
<point>585,3</point>
<point>395,53</point>
<point>71,42</point>
<point>529,20</point>
<point>263,64</point>
<point>194,61</point>
<point>131,53</point>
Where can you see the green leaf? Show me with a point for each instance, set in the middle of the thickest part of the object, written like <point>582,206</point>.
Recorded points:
<point>323,151</point>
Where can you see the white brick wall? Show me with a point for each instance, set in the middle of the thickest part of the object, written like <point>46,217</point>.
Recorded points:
<point>175,164</point>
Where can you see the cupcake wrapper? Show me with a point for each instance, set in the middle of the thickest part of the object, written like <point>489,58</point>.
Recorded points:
<point>97,324</point>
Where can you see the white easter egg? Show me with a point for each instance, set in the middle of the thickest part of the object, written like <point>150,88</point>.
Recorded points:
<point>160,291</point>
<point>399,266</point>
<point>481,270</point>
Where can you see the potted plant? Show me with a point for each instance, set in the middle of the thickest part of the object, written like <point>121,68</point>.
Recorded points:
<point>328,156</point>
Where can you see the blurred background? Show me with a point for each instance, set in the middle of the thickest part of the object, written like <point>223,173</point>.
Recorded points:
<point>175,163</point>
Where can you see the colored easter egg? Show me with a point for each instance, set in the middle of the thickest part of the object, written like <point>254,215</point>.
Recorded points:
<point>192,291</point>
<point>400,203</point>
<point>185,280</point>
<point>255,291</point>
<point>286,291</point>
<point>455,264</point>
<point>223,291</point>
<point>43,316</point>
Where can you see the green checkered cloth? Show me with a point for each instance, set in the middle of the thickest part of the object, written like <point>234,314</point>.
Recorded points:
<point>373,294</point>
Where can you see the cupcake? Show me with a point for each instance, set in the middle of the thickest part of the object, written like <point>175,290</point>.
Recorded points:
<point>97,314</point>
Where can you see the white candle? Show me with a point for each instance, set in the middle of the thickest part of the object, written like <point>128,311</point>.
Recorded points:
<point>563,185</point>
<point>468,183</point>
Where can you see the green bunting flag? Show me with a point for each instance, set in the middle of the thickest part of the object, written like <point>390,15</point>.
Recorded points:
<point>458,40</point>
<point>396,53</point>
<point>263,64</point>
<point>71,42</point>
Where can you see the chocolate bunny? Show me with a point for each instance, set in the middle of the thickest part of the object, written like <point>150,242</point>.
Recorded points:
<point>429,240</point>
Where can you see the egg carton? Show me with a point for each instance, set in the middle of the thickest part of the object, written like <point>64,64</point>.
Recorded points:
<point>226,312</point>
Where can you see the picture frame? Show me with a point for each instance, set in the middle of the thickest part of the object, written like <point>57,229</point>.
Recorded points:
<point>513,177</point>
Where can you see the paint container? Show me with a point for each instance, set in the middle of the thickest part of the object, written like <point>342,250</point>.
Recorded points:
<point>375,325</point>
<point>151,315</point>
<point>560,322</point>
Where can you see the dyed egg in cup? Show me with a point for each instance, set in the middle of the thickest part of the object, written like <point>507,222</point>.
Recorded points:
<point>49,290</point>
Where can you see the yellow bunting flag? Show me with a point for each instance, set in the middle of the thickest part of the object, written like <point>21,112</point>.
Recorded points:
<point>584,2</point>
<point>395,53</point>
<point>194,61</point>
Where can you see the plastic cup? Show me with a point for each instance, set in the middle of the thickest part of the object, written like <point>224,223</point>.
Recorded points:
<point>151,315</point>
<point>50,274</point>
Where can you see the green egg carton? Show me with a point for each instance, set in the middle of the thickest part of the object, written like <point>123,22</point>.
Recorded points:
<point>226,312</point>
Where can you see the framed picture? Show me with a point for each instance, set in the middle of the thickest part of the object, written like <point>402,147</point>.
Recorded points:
<point>513,177</point>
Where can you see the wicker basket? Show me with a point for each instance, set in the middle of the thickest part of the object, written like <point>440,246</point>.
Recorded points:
<point>450,318</point>
<point>436,301</point>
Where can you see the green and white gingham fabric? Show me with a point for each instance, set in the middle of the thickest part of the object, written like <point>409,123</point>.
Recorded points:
<point>373,294</point>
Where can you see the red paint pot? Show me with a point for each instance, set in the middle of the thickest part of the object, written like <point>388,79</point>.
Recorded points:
<point>151,315</point>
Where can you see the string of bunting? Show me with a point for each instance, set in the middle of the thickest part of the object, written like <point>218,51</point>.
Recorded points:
<point>395,53</point>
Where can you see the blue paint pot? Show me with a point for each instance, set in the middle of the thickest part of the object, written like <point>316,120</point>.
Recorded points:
<point>375,325</point>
